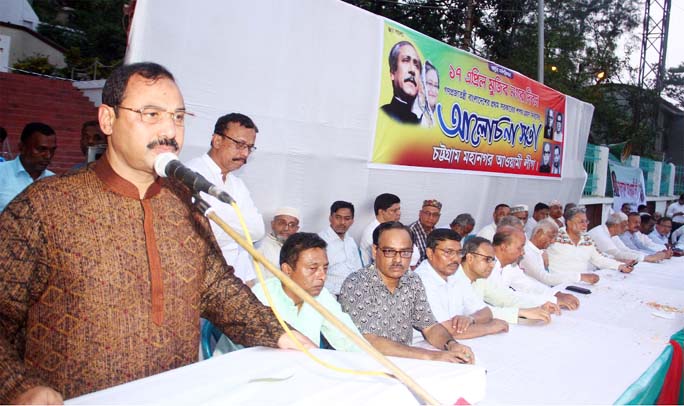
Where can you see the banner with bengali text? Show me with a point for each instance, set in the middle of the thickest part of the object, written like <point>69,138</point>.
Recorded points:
<point>628,186</point>
<point>443,108</point>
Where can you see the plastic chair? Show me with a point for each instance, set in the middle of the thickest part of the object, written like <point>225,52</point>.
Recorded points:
<point>209,336</point>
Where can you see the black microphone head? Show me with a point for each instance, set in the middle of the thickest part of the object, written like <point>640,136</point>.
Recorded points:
<point>162,161</point>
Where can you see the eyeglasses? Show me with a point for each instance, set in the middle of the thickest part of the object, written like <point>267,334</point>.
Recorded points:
<point>487,258</point>
<point>241,145</point>
<point>449,252</point>
<point>283,223</point>
<point>153,114</point>
<point>431,214</point>
<point>391,253</point>
<point>434,85</point>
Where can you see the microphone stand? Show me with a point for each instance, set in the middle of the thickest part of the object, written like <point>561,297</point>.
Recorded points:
<point>412,385</point>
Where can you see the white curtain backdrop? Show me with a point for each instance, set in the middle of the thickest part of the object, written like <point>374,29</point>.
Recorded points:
<point>307,72</point>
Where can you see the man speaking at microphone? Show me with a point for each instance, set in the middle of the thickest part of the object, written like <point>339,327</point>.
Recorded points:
<point>232,142</point>
<point>105,272</point>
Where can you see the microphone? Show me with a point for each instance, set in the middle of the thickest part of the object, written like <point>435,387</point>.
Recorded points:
<point>167,164</point>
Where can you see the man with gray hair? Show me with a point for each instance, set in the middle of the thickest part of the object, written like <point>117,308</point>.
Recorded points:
<point>535,262</point>
<point>574,251</point>
<point>607,240</point>
<point>510,221</point>
<point>463,225</point>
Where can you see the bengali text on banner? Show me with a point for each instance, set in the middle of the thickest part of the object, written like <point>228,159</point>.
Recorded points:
<point>443,108</point>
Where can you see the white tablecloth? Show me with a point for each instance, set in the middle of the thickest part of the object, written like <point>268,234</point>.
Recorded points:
<point>590,355</point>
<point>267,376</point>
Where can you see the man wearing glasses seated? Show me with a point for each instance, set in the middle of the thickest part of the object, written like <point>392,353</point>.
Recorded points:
<point>386,302</point>
<point>574,250</point>
<point>451,298</point>
<point>231,144</point>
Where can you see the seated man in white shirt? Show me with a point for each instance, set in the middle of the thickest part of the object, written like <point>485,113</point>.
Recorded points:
<point>343,253</point>
<point>477,264</point>
<point>574,251</point>
<point>509,248</point>
<point>661,232</point>
<point>675,211</point>
<point>541,211</point>
<point>556,212</point>
<point>535,263</point>
<point>449,292</point>
<point>501,210</point>
<point>607,241</point>
<point>634,239</point>
<point>285,223</point>
<point>677,238</point>
<point>231,144</point>
<point>521,211</point>
<point>387,207</point>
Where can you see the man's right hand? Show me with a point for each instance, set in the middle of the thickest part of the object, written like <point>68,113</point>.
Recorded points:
<point>39,395</point>
<point>590,278</point>
<point>461,323</point>
<point>453,356</point>
<point>535,313</point>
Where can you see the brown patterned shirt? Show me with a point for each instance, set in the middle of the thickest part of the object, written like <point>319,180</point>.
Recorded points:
<point>99,287</point>
<point>375,310</point>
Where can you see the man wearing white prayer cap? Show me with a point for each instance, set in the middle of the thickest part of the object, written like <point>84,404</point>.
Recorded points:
<point>285,223</point>
<point>520,211</point>
<point>556,212</point>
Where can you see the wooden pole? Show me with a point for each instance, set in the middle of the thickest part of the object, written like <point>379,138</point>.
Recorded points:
<point>359,341</point>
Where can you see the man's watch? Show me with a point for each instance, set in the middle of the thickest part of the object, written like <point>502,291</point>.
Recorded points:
<point>449,341</point>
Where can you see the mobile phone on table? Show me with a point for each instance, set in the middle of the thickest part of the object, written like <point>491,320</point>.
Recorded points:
<point>578,289</point>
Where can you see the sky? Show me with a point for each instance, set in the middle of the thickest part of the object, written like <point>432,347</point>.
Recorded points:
<point>675,47</point>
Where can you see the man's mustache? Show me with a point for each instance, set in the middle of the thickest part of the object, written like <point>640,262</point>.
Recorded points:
<point>171,142</point>
<point>410,78</point>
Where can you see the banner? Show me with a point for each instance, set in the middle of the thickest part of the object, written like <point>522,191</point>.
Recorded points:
<point>628,186</point>
<point>445,109</point>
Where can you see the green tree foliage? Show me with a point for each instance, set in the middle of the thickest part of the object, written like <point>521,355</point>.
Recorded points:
<point>674,84</point>
<point>37,63</point>
<point>90,30</point>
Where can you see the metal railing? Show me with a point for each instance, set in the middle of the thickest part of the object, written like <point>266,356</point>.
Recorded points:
<point>591,159</point>
<point>648,167</point>
<point>665,180</point>
<point>679,180</point>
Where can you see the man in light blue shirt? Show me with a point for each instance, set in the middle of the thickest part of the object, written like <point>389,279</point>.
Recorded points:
<point>36,148</point>
<point>661,232</point>
<point>635,240</point>
<point>303,258</point>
